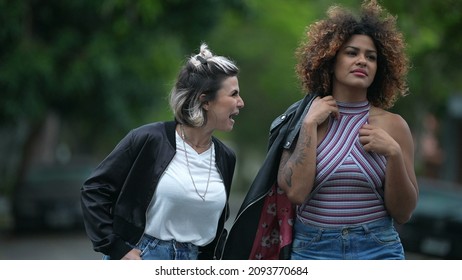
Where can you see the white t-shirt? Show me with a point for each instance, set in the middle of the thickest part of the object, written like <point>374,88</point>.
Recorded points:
<point>176,211</point>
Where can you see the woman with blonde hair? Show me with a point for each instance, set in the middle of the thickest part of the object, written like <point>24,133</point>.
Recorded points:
<point>163,192</point>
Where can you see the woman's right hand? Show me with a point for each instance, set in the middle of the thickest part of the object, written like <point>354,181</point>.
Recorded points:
<point>321,109</point>
<point>133,254</point>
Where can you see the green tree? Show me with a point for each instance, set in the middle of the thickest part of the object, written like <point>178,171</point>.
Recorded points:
<point>101,66</point>
<point>432,31</point>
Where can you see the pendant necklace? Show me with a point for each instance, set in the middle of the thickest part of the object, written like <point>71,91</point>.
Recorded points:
<point>202,196</point>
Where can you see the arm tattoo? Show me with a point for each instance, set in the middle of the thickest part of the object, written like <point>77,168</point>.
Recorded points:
<point>301,157</point>
<point>302,154</point>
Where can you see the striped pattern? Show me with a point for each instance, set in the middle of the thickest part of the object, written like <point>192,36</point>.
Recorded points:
<point>348,185</point>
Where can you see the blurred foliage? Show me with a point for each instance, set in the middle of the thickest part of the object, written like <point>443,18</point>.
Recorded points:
<point>107,66</point>
<point>103,67</point>
<point>96,63</point>
<point>432,30</point>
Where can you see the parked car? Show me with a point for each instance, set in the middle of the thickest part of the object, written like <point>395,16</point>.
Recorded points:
<point>435,229</point>
<point>49,197</point>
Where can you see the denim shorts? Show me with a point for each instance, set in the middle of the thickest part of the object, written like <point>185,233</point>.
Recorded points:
<point>377,240</point>
<point>155,249</point>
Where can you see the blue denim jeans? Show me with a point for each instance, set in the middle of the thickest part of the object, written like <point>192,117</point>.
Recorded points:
<point>155,249</point>
<point>376,240</point>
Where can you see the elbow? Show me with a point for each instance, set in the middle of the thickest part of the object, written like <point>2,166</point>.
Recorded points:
<point>295,198</point>
<point>292,195</point>
<point>404,215</point>
<point>402,219</point>
<point>295,191</point>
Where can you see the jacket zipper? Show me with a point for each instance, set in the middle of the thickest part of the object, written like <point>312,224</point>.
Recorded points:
<point>219,236</point>
<point>238,216</point>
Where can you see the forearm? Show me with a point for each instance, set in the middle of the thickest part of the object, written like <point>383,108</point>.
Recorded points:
<point>298,169</point>
<point>400,191</point>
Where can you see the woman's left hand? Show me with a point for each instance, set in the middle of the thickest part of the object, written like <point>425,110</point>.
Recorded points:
<point>377,140</point>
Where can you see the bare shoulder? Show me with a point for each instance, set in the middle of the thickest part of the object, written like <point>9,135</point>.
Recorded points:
<point>394,124</point>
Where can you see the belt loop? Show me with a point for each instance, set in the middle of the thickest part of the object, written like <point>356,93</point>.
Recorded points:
<point>365,228</point>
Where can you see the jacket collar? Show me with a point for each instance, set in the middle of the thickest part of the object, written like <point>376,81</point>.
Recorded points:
<point>170,132</point>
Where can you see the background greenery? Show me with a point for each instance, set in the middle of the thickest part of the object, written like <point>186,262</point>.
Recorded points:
<point>100,68</point>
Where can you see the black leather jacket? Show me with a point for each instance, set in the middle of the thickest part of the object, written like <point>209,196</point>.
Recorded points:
<point>283,132</point>
<point>117,194</point>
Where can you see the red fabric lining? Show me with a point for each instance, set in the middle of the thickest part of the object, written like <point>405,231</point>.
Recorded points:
<point>275,226</point>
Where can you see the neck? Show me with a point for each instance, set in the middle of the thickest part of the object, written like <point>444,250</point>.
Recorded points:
<point>195,137</point>
<point>349,95</point>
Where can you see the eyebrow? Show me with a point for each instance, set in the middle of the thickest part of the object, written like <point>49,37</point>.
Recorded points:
<point>357,49</point>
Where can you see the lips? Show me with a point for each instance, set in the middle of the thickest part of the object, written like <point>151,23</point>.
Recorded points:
<point>360,72</point>
<point>233,115</point>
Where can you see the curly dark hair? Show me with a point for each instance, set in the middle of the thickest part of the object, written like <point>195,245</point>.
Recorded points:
<point>316,55</point>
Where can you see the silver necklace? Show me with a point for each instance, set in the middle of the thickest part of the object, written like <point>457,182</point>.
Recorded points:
<point>202,196</point>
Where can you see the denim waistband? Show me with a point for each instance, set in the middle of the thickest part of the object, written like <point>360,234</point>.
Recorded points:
<point>168,243</point>
<point>366,227</point>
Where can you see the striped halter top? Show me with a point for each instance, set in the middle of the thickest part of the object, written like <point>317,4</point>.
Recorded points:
<point>348,188</point>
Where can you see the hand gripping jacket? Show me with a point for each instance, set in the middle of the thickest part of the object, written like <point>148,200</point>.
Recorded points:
<point>263,226</point>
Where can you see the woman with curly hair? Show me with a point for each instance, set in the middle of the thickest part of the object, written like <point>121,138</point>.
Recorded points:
<point>343,163</point>
<point>351,172</point>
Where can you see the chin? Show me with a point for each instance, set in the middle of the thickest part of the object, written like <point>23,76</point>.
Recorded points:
<point>229,126</point>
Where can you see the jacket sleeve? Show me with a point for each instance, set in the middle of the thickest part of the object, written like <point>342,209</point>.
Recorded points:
<point>98,196</point>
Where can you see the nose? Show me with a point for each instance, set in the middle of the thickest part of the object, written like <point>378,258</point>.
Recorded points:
<point>240,102</point>
<point>361,60</point>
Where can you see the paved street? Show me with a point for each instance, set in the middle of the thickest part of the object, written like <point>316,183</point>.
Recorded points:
<point>47,246</point>
<point>71,245</point>
<point>63,245</point>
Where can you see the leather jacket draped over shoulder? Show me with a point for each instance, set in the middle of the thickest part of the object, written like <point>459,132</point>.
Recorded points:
<point>283,132</point>
<point>117,194</point>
